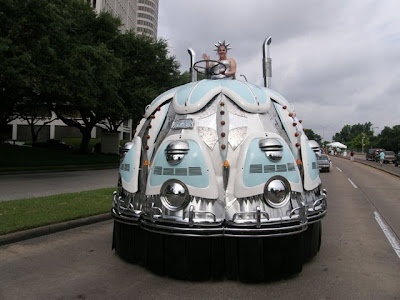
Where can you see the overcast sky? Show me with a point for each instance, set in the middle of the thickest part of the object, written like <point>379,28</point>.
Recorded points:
<point>337,61</point>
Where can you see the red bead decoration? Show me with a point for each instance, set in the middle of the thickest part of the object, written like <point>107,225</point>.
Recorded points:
<point>223,147</point>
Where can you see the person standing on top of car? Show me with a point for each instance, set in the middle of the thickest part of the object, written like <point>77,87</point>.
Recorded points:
<point>230,63</point>
<point>381,157</point>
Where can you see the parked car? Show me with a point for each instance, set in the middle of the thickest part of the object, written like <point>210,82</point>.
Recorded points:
<point>397,161</point>
<point>390,157</point>
<point>373,154</point>
<point>53,144</point>
<point>324,163</point>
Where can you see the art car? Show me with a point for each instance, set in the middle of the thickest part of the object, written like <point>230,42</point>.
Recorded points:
<point>219,181</point>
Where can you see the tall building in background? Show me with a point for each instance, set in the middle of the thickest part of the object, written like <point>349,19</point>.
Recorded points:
<point>140,16</point>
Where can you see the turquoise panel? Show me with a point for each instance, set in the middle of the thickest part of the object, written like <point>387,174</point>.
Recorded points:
<point>255,156</point>
<point>171,91</point>
<point>239,88</point>
<point>183,93</point>
<point>126,167</point>
<point>261,96</point>
<point>203,88</point>
<point>312,158</point>
<point>276,95</point>
<point>193,159</point>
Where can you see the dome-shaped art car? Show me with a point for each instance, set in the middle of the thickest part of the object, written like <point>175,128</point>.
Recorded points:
<point>219,181</point>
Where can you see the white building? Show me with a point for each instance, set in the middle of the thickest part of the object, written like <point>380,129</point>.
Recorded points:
<point>140,16</point>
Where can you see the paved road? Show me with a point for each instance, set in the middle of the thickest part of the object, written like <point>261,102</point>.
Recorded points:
<point>380,189</point>
<point>356,260</point>
<point>18,186</point>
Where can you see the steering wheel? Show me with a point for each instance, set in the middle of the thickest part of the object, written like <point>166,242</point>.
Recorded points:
<point>215,69</point>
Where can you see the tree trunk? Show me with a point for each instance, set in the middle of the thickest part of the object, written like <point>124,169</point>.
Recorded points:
<point>33,133</point>
<point>86,136</point>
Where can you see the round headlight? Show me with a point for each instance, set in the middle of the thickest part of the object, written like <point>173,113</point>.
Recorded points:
<point>174,194</point>
<point>272,147</point>
<point>277,191</point>
<point>175,151</point>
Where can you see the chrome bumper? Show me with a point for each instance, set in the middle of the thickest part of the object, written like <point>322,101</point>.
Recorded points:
<point>273,228</point>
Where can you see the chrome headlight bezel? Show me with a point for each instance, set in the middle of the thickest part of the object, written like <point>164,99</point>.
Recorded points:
<point>272,147</point>
<point>176,151</point>
<point>277,191</point>
<point>174,195</point>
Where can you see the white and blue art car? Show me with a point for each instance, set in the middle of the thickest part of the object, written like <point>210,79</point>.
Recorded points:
<point>219,181</point>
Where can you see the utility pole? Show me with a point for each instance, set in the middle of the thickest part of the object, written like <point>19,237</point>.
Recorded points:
<point>323,134</point>
<point>362,143</point>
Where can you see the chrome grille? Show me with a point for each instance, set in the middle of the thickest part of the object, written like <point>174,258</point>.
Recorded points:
<point>195,171</point>
<point>181,172</point>
<point>256,169</point>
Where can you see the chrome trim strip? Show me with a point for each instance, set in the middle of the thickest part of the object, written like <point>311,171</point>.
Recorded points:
<point>218,230</point>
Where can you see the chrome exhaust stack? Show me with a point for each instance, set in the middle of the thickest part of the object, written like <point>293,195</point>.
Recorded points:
<point>192,72</point>
<point>267,62</point>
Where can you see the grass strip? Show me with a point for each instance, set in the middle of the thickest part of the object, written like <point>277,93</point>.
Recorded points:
<point>17,215</point>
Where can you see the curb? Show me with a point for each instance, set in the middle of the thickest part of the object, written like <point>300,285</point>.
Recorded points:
<point>44,230</point>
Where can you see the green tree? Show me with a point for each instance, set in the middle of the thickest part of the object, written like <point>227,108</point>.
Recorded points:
<point>12,62</point>
<point>357,142</point>
<point>349,132</point>
<point>33,111</point>
<point>147,71</point>
<point>81,86</point>
<point>24,49</point>
<point>389,138</point>
<point>312,135</point>
<point>61,54</point>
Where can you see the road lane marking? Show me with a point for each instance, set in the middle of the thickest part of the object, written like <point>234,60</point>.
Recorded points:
<point>389,234</point>
<point>352,183</point>
<point>339,169</point>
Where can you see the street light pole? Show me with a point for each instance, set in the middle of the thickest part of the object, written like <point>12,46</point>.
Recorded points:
<point>362,143</point>
<point>323,133</point>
